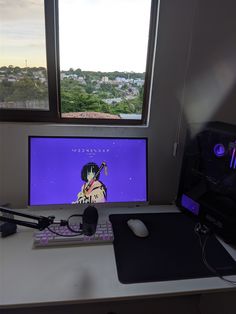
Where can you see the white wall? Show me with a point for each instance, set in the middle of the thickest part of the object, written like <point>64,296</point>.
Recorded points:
<point>211,80</point>
<point>193,36</point>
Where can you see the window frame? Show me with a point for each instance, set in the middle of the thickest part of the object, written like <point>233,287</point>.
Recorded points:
<point>53,115</point>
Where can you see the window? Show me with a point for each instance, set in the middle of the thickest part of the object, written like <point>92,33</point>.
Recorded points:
<point>23,74</point>
<point>93,64</point>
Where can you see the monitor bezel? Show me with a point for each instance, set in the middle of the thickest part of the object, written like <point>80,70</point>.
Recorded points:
<point>82,206</point>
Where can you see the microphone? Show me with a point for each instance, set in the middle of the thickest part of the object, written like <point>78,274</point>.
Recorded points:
<point>88,226</point>
<point>89,221</point>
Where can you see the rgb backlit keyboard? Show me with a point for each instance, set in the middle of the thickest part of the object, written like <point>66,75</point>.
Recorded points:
<point>46,238</point>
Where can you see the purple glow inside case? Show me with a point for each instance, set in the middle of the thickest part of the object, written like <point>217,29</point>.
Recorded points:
<point>219,150</point>
<point>190,204</point>
<point>55,165</point>
<point>233,158</point>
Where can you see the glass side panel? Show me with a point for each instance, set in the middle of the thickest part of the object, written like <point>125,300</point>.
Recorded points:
<point>23,73</point>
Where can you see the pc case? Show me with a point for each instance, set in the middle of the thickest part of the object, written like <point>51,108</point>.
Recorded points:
<point>207,188</point>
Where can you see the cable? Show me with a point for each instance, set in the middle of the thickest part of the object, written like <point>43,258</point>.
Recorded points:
<point>68,223</point>
<point>205,231</point>
<point>65,235</point>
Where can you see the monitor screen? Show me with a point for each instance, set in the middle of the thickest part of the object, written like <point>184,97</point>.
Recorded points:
<point>79,170</point>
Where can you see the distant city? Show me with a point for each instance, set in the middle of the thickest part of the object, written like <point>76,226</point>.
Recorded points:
<point>14,74</point>
<point>115,93</point>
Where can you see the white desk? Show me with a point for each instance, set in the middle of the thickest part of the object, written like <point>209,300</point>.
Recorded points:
<point>30,277</point>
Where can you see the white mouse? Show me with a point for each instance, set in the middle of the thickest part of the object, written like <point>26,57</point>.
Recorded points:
<point>138,227</point>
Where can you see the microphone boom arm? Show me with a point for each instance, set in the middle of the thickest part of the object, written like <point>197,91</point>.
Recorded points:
<point>88,226</point>
<point>42,221</point>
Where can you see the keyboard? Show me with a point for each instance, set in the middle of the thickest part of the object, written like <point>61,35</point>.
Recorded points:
<point>45,238</point>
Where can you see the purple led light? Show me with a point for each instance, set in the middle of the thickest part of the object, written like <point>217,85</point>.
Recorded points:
<point>219,150</point>
<point>190,204</point>
<point>233,158</point>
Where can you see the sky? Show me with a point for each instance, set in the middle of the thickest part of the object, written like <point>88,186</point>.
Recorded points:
<point>22,34</point>
<point>96,35</point>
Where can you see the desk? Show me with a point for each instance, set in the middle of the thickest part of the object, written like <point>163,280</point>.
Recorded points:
<point>79,275</point>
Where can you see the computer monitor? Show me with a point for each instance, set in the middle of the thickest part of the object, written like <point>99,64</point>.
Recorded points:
<point>81,170</point>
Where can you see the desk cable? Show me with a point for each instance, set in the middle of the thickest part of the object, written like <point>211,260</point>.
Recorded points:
<point>204,233</point>
<point>70,227</point>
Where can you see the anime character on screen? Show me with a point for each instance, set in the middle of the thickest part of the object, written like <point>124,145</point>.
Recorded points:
<point>93,190</point>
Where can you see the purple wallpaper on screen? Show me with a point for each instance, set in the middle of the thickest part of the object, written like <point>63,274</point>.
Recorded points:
<point>56,163</point>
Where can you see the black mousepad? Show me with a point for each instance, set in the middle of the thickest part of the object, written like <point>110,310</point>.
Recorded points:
<point>170,252</point>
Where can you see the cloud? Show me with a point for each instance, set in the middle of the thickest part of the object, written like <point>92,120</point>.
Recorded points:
<point>22,32</point>
<point>15,10</point>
